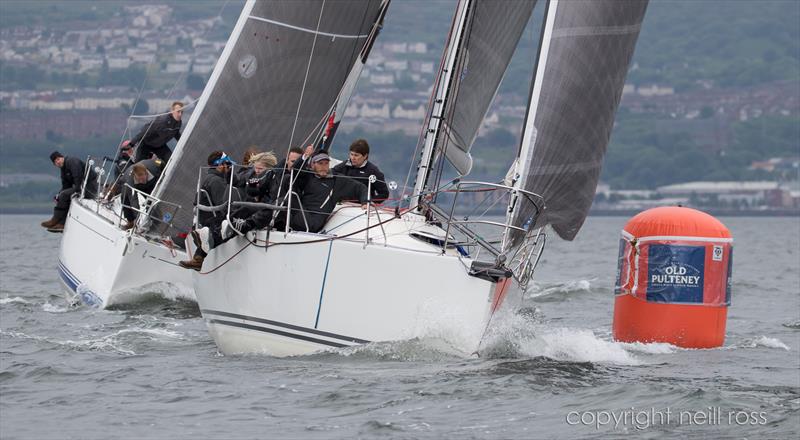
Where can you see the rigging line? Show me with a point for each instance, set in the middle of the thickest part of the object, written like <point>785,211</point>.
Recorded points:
<point>308,69</point>
<point>315,32</point>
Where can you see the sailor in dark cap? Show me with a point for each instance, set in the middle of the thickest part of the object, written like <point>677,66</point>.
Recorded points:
<point>320,191</point>
<point>72,177</point>
<point>213,192</point>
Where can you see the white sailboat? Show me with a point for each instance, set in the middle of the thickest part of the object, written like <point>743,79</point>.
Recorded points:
<point>101,264</point>
<point>388,274</point>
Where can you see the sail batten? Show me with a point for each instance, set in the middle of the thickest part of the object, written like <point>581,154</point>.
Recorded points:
<point>302,29</point>
<point>584,56</point>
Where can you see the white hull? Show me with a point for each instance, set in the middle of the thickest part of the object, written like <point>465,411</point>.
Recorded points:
<point>103,265</point>
<point>294,299</point>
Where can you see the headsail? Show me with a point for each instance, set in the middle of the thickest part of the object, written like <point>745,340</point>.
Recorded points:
<point>585,51</point>
<point>482,40</point>
<point>274,84</point>
<point>493,30</point>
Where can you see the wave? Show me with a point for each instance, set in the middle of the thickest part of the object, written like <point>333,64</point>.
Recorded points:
<point>762,341</point>
<point>14,300</point>
<point>156,304</point>
<point>408,350</point>
<point>52,308</point>
<point>793,325</point>
<point>120,342</point>
<point>558,290</point>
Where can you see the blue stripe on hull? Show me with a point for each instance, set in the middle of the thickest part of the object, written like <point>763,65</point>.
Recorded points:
<point>72,282</point>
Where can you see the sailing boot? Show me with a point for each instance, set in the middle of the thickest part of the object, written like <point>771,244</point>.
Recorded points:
<point>195,263</point>
<point>59,227</point>
<point>50,223</point>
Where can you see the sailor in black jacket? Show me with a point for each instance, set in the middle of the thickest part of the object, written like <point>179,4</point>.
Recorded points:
<point>143,177</point>
<point>359,168</point>
<point>153,137</point>
<point>320,191</point>
<point>72,177</point>
<point>213,192</point>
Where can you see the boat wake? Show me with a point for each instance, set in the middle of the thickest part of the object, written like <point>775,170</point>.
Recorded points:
<point>516,336</point>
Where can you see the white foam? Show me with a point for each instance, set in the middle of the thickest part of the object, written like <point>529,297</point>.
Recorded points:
<point>524,338</point>
<point>580,345</point>
<point>153,332</point>
<point>764,341</point>
<point>566,287</point>
<point>650,348</point>
<point>50,308</point>
<point>12,300</point>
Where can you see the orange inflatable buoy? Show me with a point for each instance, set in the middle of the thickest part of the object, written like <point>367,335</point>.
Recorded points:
<point>673,279</point>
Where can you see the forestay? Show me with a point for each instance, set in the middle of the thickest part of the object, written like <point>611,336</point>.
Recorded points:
<point>585,51</point>
<point>493,29</point>
<point>276,80</point>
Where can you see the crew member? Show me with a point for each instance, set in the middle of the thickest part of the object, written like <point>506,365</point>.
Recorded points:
<point>72,177</point>
<point>153,137</point>
<point>143,177</point>
<point>213,192</point>
<point>358,167</point>
<point>320,191</point>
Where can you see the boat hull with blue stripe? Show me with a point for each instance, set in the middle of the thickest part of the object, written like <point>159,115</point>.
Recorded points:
<point>102,265</point>
<point>308,292</point>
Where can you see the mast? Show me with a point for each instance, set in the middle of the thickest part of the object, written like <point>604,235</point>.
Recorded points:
<point>529,131</point>
<point>439,104</point>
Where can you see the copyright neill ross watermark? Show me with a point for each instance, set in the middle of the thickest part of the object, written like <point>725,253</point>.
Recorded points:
<point>643,418</point>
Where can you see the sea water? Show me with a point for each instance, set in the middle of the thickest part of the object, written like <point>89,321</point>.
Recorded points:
<point>552,370</point>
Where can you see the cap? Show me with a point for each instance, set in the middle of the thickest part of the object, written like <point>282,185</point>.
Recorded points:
<point>319,157</point>
<point>223,159</point>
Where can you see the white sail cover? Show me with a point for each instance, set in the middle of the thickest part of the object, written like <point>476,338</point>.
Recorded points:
<point>277,79</point>
<point>583,62</point>
<point>493,30</point>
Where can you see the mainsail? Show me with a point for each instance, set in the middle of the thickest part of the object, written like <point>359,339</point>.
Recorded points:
<point>585,51</point>
<point>278,78</point>
<point>493,29</point>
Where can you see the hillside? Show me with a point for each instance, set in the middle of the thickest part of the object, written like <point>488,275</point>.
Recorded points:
<point>688,46</point>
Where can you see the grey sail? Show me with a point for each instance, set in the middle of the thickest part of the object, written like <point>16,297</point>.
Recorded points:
<point>493,29</point>
<point>276,81</point>
<point>584,56</point>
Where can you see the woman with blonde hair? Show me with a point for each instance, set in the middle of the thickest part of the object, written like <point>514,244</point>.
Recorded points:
<point>258,179</point>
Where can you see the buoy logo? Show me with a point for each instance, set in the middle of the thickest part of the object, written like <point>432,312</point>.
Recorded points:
<point>717,253</point>
<point>675,273</point>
